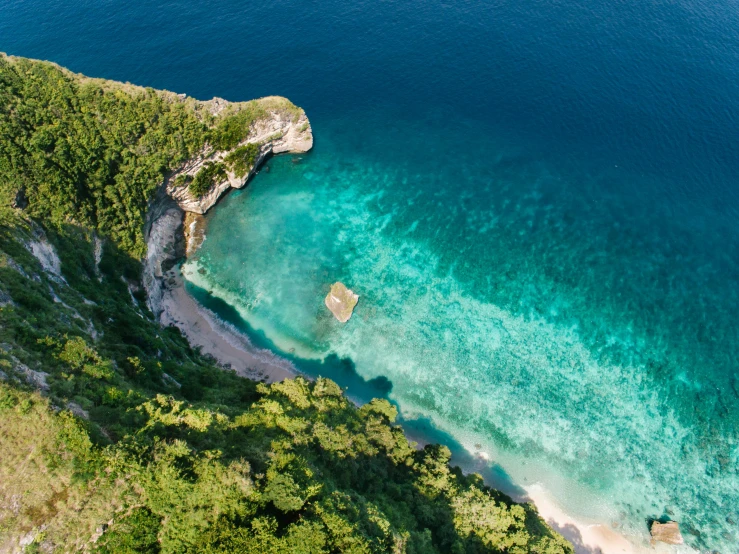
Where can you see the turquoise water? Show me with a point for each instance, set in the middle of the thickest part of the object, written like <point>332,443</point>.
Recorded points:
<point>537,202</point>
<point>501,314</point>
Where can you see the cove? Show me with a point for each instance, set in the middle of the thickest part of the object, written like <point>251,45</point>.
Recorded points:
<point>537,203</point>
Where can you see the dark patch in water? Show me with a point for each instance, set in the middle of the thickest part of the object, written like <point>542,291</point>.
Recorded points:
<point>341,370</point>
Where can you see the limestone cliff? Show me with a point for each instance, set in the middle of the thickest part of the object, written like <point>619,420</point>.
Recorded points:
<point>282,130</point>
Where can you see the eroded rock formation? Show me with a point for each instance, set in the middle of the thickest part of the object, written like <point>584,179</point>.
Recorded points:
<point>282,131</point>
<point>666,532</point>
<point>341,301</point>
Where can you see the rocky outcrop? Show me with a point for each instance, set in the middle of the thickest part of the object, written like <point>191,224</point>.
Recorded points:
<point>20,201</point>
<point>164,247</point>
<point>45,253</point>
<point>282,131</point>
<point>36,379</point>
<point>284,128</point>
<point>666,532</point>
<point>341,301</point>
<point>97,251</point>
<point>78,410</point>
<point>194,232</point>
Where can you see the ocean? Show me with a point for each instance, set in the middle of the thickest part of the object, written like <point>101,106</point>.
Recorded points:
<point>537,202</point>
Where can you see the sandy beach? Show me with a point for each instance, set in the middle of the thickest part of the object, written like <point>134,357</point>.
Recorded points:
<point>586,538</point>
<point>592,538</point>
<point>229,347</point>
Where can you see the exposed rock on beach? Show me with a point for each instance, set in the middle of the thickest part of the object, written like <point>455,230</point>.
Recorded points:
<point>666,532</point>
<point>194,228</point>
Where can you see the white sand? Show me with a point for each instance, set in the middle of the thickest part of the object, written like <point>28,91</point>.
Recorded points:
<point>587,538</point>
<point>593,538</point>
<point>229,347</point>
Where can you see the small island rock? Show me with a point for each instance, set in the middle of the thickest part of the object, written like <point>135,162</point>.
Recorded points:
<point>341,301</point>
<point>666,532</point>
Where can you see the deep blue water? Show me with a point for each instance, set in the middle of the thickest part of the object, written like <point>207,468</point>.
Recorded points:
<point>538,203</point>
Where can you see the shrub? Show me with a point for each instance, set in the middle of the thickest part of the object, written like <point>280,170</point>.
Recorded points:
<point>206,178</point>
<point>242,160</point>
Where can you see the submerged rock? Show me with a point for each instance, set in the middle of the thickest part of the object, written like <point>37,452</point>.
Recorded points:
<point>341,301</point>
<point>666,532</point>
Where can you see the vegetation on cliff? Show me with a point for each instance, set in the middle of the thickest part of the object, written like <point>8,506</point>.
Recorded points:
<point>116,435</point>
<point>93,152</point>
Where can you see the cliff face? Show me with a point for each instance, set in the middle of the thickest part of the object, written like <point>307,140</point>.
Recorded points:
<point>164,247</point>
<point>280,132</point>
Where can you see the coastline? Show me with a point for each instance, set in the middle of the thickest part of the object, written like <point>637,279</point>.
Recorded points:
<point>586,537</point>
<point>231,349</point>
<point>175,233</point>
<point>173,230</point>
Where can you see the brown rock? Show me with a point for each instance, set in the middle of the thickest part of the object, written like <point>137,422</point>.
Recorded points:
<point>194,232</point>
<point>341,301</point>
<point>666,532</point>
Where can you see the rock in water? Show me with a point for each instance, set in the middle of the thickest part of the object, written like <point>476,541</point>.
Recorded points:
<point>341,301</point>
<point>666,532</point>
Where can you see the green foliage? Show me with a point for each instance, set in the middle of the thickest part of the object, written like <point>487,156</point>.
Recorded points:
<point>80,357</point>
<point>234,128</point>
<point>242,159</point>
<point>204,179</point>
<point>135,533</point>
<point>182,180</point>
<point>87,153</point>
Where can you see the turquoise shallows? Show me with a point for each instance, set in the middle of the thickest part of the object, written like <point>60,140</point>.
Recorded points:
<point>504,305</point>
<point>537,202</point>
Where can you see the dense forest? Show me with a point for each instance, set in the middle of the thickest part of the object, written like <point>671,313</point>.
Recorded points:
<point>115,435</point>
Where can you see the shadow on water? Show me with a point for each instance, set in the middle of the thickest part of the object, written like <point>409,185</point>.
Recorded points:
<point>423,431</point>
<point>340,370</point>
<point>360,390</point>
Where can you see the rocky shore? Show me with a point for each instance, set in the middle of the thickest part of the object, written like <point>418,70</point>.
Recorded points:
<point>283,131</point>
<point>174,230</point>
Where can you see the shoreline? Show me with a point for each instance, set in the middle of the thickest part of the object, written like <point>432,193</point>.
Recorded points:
<point>170,239</point>
<point>232,349</point>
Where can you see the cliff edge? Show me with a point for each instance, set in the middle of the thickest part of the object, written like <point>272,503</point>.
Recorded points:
<point>279,127</point>
<point>271,125</point>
